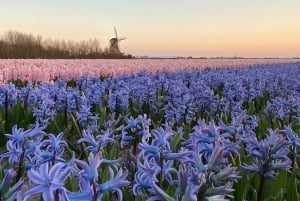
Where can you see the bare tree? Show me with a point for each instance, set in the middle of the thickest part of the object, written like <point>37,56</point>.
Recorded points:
<point>14,44</point>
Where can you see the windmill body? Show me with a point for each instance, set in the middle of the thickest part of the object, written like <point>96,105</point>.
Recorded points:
<point>114,43</point>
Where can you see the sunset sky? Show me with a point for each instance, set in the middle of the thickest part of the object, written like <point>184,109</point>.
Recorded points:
<point>248,28</point>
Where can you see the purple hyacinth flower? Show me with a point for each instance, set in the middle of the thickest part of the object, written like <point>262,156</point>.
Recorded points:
<point>89,138</point>
<point>14,152</point>
<point>55,144</point>
<point>270,154</point>
<point>47,181</point>
<point>9,193</point>
<point>91,168</point>
<point>114,183</point>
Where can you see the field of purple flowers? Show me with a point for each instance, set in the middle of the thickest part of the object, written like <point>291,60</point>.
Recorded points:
<point>225,134</point>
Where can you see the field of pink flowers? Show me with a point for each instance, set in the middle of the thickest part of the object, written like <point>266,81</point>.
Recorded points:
<point>46,69</point>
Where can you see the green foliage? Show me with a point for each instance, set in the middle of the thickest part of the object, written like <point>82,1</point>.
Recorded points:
<point>2,136</point>
<point>292,187</point>
<point>242,188</point>
<point>176,141</point>
<point>275,188</point>
<point>18,83</point>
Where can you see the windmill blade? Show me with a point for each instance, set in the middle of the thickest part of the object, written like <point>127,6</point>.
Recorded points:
<point>122,38</point>
<point>116,34</point>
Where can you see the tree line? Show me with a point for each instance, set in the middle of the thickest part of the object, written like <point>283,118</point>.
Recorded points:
<point>17,45</point>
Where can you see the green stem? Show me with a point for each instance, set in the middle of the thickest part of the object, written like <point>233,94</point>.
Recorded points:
<point>54,158</point>
<point>293,156</point>
<point>201,193</point>
<point>95,192</point>
<point>160,176</point>
<point>261,190</point>
<point>271,122</point>
<point>118,108</point>
<point>290,116</point>
<point>204,187</point>
<point>56,195</point>
<point>66,113</point>
<point>135,145</point>
<point>260,196</point>
<point>20,168</point>
<point>26,102</point>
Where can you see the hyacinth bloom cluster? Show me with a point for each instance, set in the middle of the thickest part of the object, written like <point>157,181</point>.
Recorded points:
<point>8,94</point>
<point>155,161</point>
<point>96,144</point>
<point>96,141</point>
<point>22,144</point>
<point>48,182</point>
<point>242,125</point>
<point>42,155</point>
<point>135,129</point>
<point>269,155</point>
<point>21,148</point>
<point>294,141</point>
<point>210,173</point>
<point>89,175</point>
<point>7,191</point>
<point>199,172</point>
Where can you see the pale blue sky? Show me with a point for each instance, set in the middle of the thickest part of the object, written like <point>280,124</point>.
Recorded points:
<point>165,27</point>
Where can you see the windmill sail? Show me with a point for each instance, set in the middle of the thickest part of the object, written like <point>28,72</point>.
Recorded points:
<point>114,42</point>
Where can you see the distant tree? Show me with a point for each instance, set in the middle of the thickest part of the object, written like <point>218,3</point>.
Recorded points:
<point>14,44</point>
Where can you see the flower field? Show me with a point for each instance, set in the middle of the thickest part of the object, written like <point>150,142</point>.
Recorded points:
<point>180,131</point>
<point>49,69</point>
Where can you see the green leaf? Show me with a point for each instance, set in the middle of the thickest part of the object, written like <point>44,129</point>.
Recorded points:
<point>15,115</point>
<point>73,146</point>
<point>275,187</point>
<point>254,193</point>
<point>2,149</point>
<point>3,138</point>
<point>242,187</point>
<point>292,192</point>
<point>175,141</point>
<point>114,152</point>
<point>128,195</point>
<point>28,119</point>
<point>72,184</point>
<point>77,129</point>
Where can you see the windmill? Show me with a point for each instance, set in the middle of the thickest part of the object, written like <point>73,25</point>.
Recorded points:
<point>114,42</point>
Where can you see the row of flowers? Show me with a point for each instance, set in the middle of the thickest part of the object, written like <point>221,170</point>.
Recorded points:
<point>202,167</point>
<point>178,96</point>
<point>203,135</point>
<point>47,69</point>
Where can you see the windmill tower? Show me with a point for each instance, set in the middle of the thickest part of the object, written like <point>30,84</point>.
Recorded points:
<point>114,43</point>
